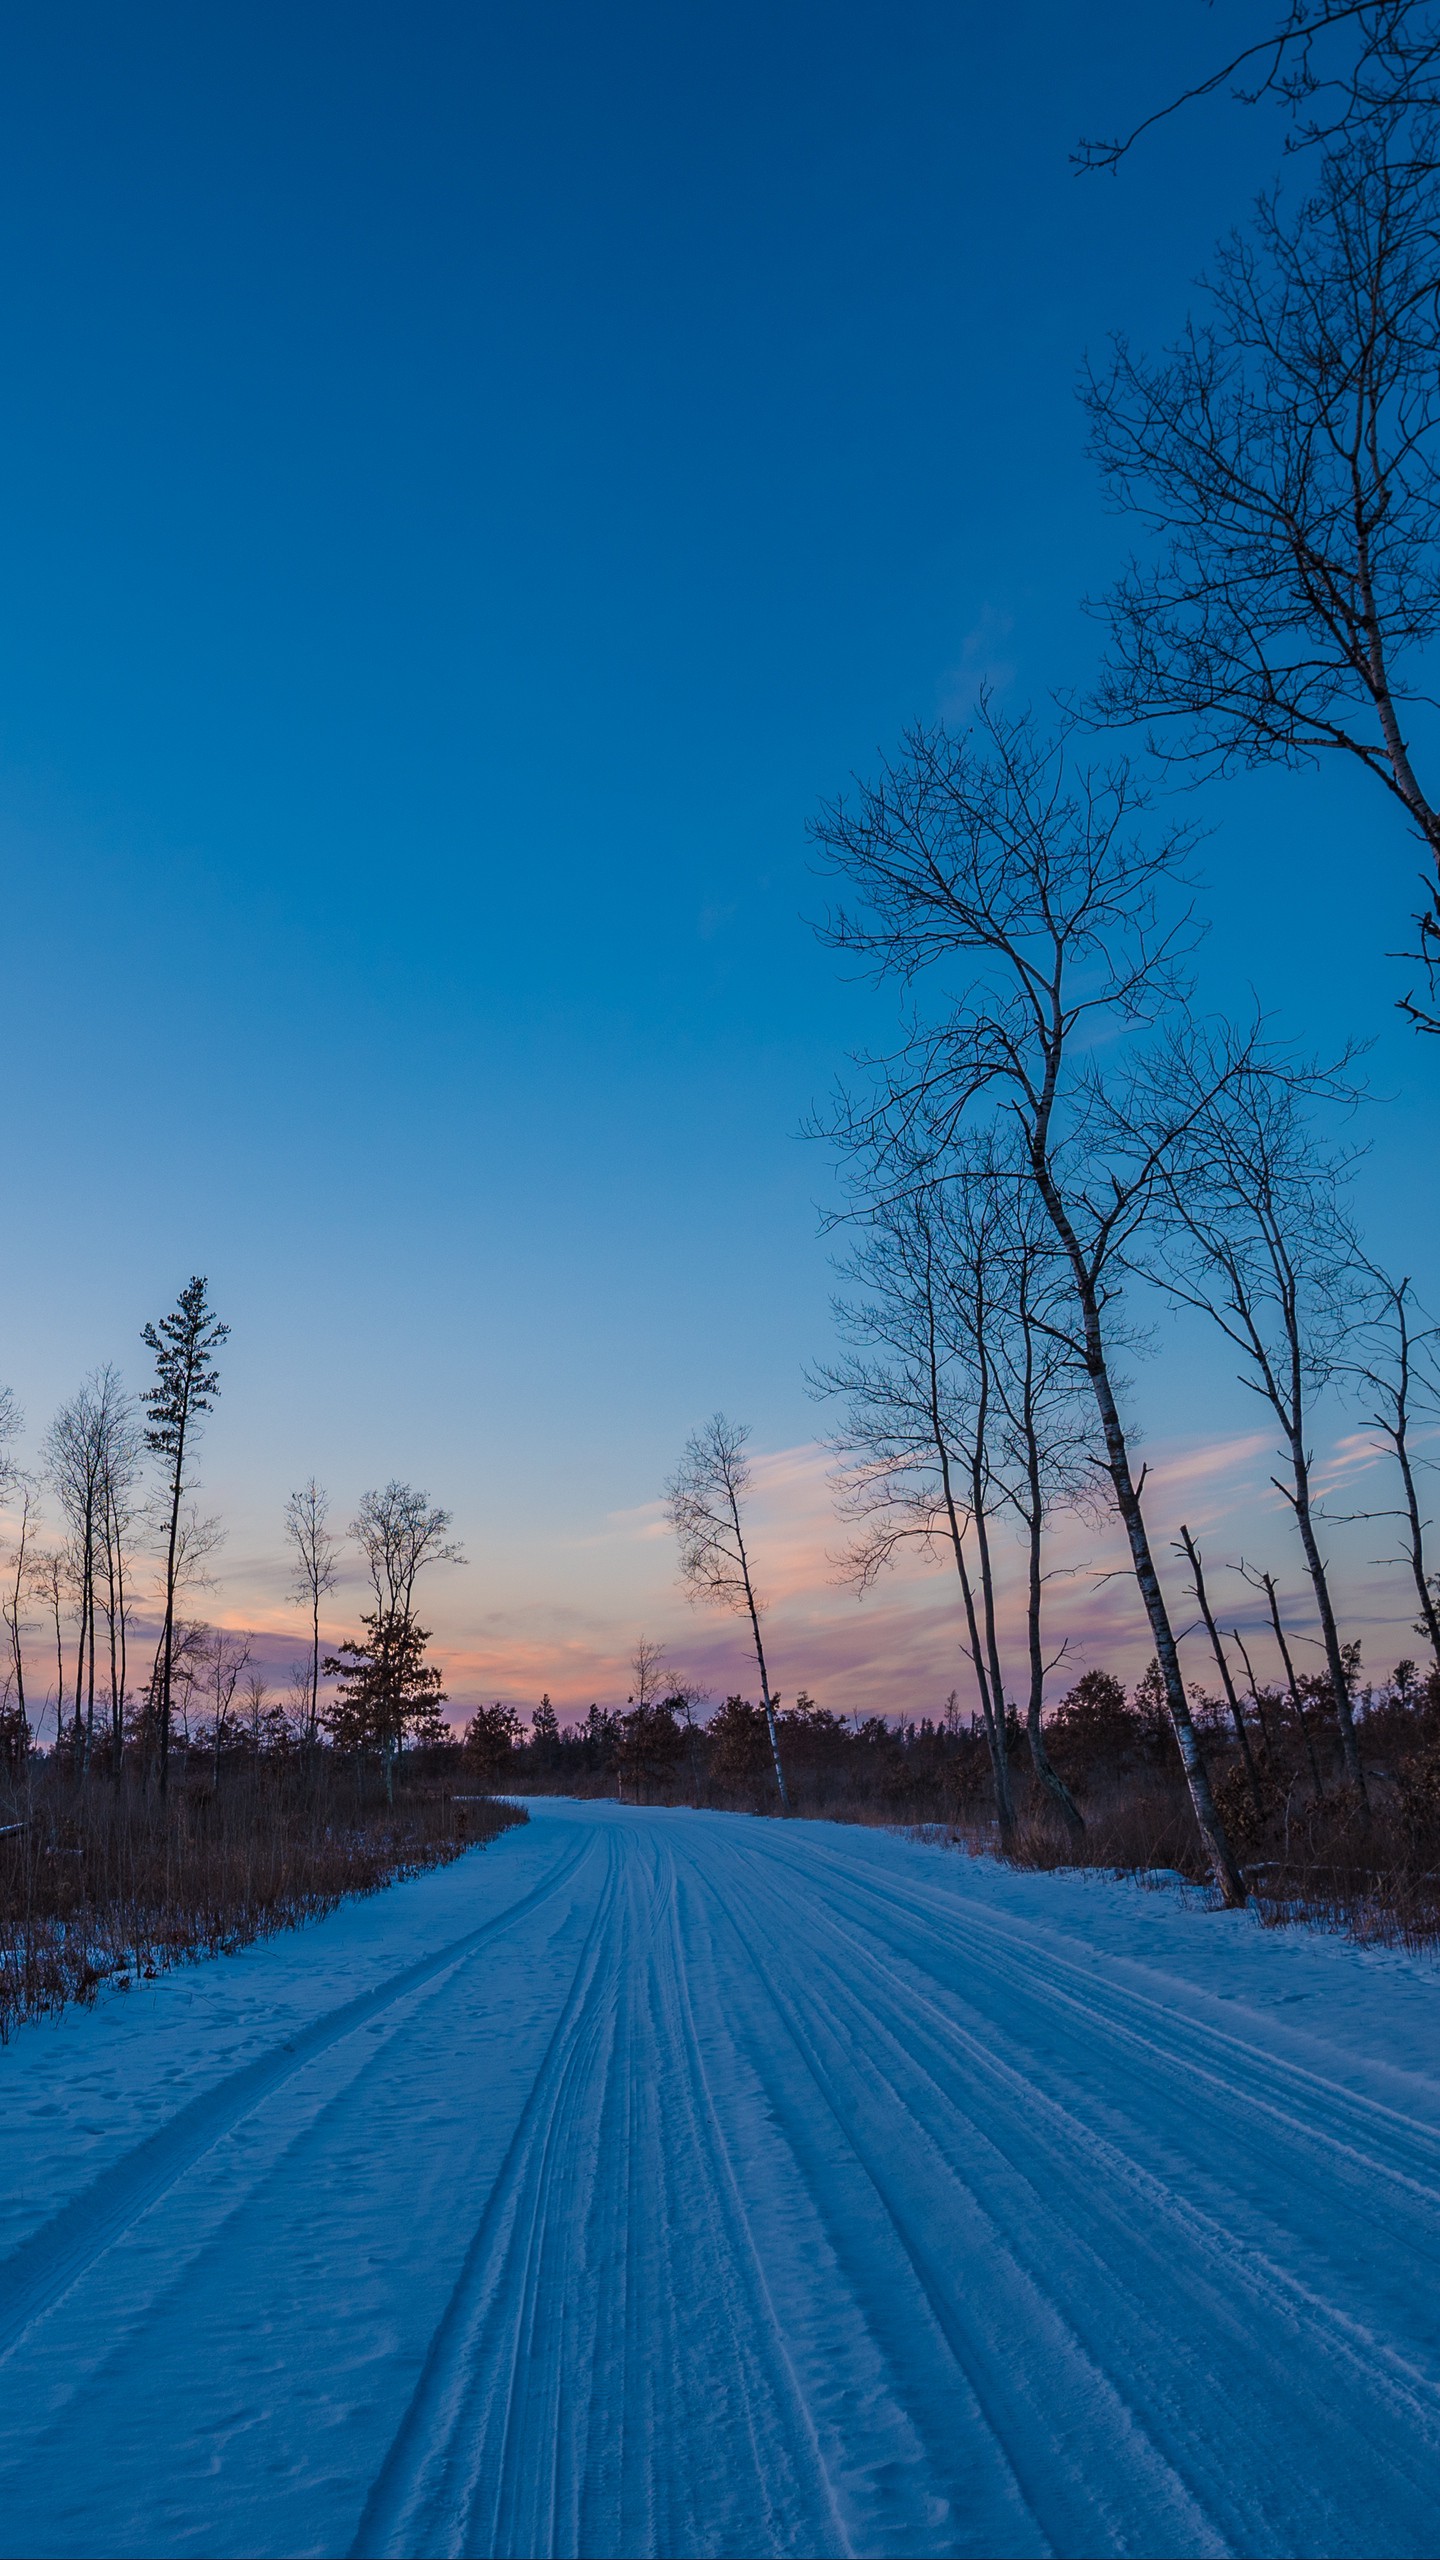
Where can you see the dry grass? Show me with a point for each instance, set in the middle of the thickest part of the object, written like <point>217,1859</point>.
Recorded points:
<point>105,1883</point>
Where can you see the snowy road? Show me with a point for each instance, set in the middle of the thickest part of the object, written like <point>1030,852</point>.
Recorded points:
<point>672,2183</point>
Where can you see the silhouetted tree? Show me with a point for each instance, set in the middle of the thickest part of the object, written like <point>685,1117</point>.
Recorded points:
<point>1253,1236</point>
<point>489,1738</point>
<point>1027,887</point>
<point>187,1382</point>
<point>19,1583</point>
<point>1343,68</point>
<point>913,1441</point>
<point>315,1551</point>
<point>1286,455</point>
<point>705,1498</point>
<point>387,1693</point>
<point>399,1532</point>
<point>1193,1558</point>
<point>1394,1369</point>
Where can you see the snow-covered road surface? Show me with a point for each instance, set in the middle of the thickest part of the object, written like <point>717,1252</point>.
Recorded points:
<point>674,2183</point>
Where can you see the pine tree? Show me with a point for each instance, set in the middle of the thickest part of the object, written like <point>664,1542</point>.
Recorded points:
<point>186,1385</point>
<point>388,1693</point>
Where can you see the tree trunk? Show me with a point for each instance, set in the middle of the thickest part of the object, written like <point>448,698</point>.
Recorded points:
<point>1034,1518</point>
<point>1044,1767</point>
<point>1226,1873</point>
<point>980,1488</point>
<point>994,1734</point>
<point>1335,1660</point>
<point>770,1725</point>
<point>1223,1667</point>
<point>1296,1701</point>
<point>177,1488</point>
<point>1429,1617</point>
<point>1254,1687</point>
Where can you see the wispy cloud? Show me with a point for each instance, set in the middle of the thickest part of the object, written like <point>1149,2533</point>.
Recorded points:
<point>566,1619</point>
<point>984,664</point>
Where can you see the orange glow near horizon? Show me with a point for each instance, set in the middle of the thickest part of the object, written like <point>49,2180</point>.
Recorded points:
<point>899,1651</point>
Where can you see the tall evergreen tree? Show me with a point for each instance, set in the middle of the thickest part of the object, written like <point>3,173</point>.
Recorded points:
<point>186,1384</point>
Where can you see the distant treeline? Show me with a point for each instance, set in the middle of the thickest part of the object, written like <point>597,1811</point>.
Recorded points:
<point>1278,1772</point>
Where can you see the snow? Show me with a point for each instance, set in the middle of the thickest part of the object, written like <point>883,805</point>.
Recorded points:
<point>663,2182</point>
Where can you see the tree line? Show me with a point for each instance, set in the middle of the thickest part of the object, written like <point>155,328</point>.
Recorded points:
<point>122,1472</point>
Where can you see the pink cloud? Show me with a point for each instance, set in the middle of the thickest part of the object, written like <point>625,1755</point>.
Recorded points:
<point>566,1618</point>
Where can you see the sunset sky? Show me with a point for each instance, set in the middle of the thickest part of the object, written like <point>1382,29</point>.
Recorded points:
<point>473,479</point>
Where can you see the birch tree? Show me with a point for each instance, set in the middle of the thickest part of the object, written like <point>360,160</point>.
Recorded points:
<point>912,1448</point>
<point>1253,1236</point>
<point>705,1498</point>
<point>1018,890</point>
<point>121,1462</point>
<point>1394,1373</point>
<point>315,1553</point>
<point>1051,1462</point>
<point>88,1449</point>
<point>1198,1585</point>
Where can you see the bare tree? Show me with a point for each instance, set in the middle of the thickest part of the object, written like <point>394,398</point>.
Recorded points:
<point>975,1241</point>
<point>225,1659</point>
<point>1195,1561</point>
<point>20,1583</point>
<point>12,1423</point>
<point>912,1446</point>
<point>315,1551</point>
<point>399,1532</point>
<point>14,1482</point>
<point>1028,887</point>
<point>189,1671</point>
<point>1266,1582</point>
<point>49,1582</point>
<point>1395,1371</point>
<point>1342,67</point>
<point>1258,1695</point>
<point>89,1448</point>
<point>186,1385</point>
<point>258,1714</point>
<point>121,1461</point>
<point>706,1498</point>
<point>651,1673</point>
<point>1253,1236</point>
<point>1286,454</point>
<point>1050,1461</point>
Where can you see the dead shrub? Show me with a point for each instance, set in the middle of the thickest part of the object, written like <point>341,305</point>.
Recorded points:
<point>105,1882</point>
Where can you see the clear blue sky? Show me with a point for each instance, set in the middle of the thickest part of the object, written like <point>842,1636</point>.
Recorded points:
<point>471,478</point>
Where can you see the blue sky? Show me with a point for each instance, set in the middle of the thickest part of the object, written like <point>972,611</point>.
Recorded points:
<point>471,479</point>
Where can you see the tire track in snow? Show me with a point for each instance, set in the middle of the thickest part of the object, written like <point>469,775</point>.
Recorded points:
<point>1296,2100</point>
<point>562,2377</point>
<point>1181,2252</point>
<point>149,2272</point>
<point>767,2197</point>
<point>1010,2379</point>
<point>43,2269</point>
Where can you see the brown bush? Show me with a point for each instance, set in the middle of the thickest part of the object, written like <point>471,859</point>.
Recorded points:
<point>105,1882</point>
